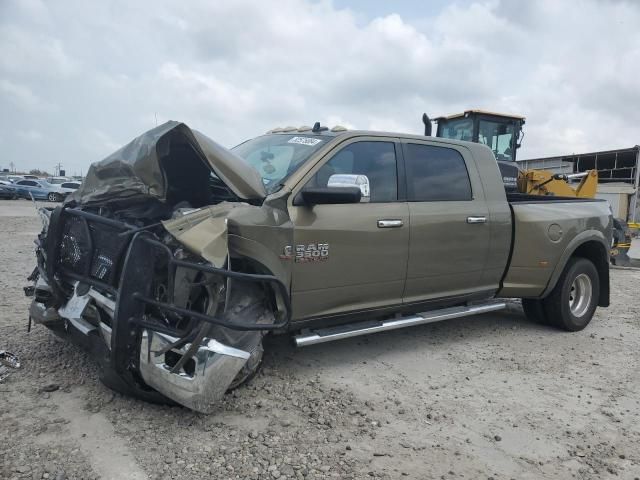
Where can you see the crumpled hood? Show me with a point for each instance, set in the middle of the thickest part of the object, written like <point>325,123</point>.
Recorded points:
<point>135,169</point>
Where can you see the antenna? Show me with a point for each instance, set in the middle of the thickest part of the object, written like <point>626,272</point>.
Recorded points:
<point>156,115</point>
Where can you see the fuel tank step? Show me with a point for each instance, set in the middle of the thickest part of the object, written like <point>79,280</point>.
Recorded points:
<point>364,328</point>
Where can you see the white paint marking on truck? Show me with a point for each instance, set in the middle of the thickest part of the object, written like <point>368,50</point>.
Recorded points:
<point>310,142</point>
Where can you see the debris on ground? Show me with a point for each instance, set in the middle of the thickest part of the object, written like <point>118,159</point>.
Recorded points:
<point>8,362</point>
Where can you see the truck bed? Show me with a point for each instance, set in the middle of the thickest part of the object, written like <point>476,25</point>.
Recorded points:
<point>545,229</point>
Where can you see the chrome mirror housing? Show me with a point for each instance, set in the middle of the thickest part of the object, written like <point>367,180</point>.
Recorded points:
<point>351,180</point>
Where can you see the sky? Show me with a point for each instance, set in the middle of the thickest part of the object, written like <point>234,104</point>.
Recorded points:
<point>80,79</point>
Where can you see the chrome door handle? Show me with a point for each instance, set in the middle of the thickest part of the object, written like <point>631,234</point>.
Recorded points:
<point>476,219</point>
<point>390,223</point>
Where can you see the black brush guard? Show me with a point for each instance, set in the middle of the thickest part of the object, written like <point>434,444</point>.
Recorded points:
<point>130,280</point>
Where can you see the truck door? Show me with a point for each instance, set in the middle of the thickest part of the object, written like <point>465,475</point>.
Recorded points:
<point>362,247</point>
<point>449,217</point>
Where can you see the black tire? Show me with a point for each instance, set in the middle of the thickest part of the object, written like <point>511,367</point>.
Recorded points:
<point>247,302</point>
<point>250,304</point>
<point>573,301</point>
<point>250,369</point>
<point>127,385</point>
<point>534,310</point>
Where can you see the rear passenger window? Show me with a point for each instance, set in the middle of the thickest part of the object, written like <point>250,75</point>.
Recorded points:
<point>436,174</point>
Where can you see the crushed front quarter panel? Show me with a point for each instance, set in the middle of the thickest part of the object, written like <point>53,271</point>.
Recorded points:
<point>204,231</point>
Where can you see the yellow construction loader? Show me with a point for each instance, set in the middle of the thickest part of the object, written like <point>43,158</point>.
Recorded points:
<point>544,182</point>
<point>503,134</point>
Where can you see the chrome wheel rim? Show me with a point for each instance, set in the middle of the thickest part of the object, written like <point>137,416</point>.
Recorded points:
<point>580,295</point>
<point>52,197</point>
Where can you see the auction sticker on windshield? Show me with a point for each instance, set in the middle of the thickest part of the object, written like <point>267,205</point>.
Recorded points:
<point>310,142</point>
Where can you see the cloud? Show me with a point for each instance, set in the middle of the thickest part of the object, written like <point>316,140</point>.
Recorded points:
<point>31,53</point>
<point>20,95</point>
<point>236,69</point>
<point>29,135</point>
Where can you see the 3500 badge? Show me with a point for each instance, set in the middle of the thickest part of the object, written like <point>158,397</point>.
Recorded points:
<point>313,252</point>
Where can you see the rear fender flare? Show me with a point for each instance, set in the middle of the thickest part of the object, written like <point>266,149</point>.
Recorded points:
<point>596,246</point>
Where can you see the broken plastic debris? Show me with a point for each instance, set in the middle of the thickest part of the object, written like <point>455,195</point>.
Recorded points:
<point>8,361</point>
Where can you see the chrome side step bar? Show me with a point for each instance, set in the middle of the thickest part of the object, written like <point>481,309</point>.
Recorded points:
<point>365,328</point>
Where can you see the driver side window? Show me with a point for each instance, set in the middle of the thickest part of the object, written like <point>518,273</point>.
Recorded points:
<point>375,160</point>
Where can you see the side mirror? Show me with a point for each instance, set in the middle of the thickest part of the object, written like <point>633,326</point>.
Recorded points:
<point>345,180</point>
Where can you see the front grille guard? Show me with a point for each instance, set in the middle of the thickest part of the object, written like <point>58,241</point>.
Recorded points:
<point>132,292</point>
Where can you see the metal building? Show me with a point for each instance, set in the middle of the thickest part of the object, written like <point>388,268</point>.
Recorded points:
<point>618,175</point>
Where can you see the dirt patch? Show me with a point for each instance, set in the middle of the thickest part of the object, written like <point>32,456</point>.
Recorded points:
<point>481,397</point>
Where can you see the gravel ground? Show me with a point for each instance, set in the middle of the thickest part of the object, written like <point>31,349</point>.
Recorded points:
<point>491,396</point>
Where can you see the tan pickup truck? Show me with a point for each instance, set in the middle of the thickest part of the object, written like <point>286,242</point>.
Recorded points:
<point>176,256</point>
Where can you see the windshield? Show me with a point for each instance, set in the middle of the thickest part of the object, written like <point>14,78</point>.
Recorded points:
<point>460,129</point>
<point>275,157</point>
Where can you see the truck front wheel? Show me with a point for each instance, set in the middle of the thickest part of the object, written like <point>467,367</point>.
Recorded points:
<point>534,310</point>
<point>572,302</point>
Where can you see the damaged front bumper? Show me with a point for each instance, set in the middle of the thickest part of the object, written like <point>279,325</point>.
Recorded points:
<point>206,378</point>
<point>129,336</point>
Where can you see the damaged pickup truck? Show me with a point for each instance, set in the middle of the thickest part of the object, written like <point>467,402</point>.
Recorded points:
<point>177,256</point>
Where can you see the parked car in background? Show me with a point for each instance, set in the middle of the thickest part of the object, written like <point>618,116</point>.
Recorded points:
<point>7,191</point>
<point>58,180</point>
<point>31,177</point>
<point>12,178</point>
<point>39,189</point>
<point>70,187</point>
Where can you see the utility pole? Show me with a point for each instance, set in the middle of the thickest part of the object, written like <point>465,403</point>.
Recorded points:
<point>57,168</point>
<point>636,184</point>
